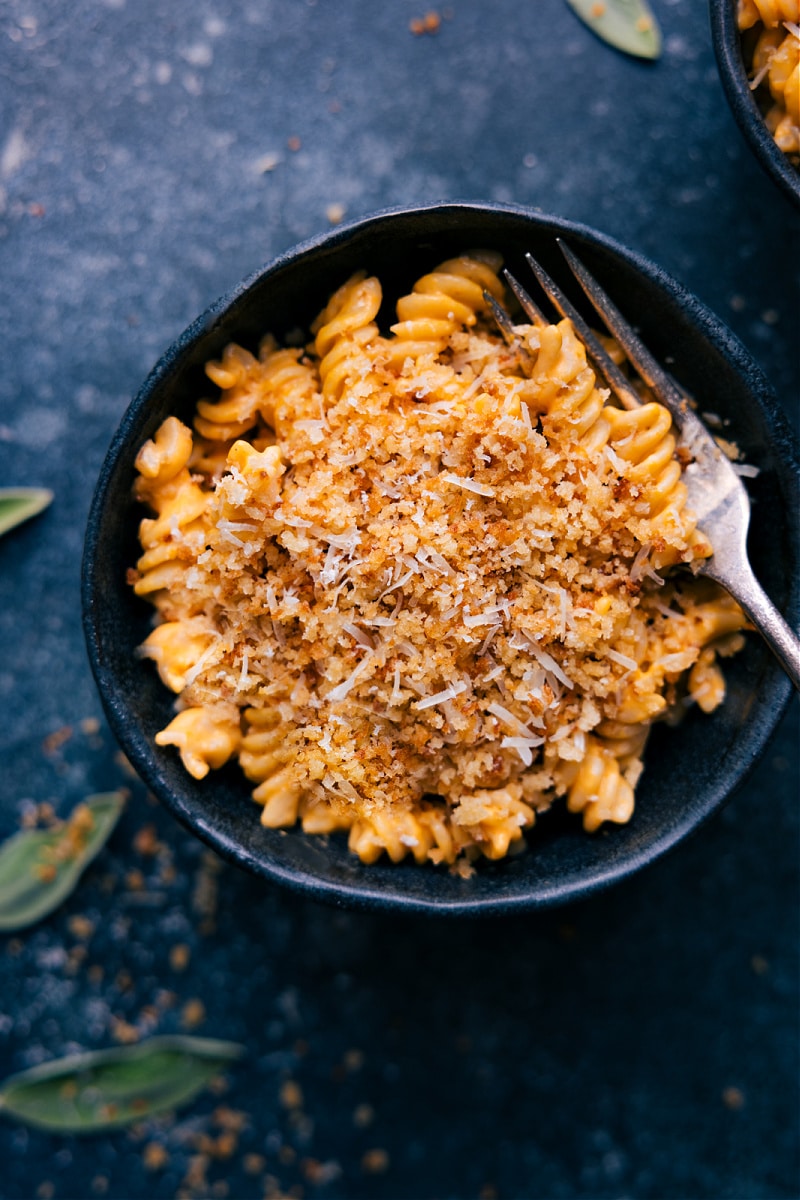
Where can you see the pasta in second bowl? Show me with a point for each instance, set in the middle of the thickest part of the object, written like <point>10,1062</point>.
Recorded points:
<point>229,455</point>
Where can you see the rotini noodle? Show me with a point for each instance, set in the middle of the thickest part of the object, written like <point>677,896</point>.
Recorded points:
<point>175,537</point>
<point>440,304</point>
<point>343,330</point>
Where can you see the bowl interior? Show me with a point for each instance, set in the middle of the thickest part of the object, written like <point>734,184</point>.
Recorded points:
<point>688,770</point>
<point>732,49</point>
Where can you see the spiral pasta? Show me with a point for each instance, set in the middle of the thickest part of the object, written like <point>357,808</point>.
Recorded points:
<point>206,737</point>
<point>444,301</point>
<point>275,388</point>
<point>343,329</point>
<point>176,535</point>
<point>421,585</point>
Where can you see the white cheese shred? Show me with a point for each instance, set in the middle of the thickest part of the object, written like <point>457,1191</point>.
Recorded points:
<point>469,485</point>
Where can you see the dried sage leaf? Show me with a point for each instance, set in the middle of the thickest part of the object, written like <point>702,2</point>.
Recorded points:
<point>40,867</point>
<point>19,504</point>
<point>105,1089</point>
<point>628,25</point>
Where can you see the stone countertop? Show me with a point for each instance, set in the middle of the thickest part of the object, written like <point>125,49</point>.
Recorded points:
<point>644,1043</point>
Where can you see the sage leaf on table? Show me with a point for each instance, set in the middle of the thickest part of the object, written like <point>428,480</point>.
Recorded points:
<point>40,867</point>
<point>106,1089</point>
<point>19,504</point>
<point>628,25</point>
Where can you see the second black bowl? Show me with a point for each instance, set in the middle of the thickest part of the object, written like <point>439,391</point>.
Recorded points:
<point>733,73</point>
<point>689,770</point>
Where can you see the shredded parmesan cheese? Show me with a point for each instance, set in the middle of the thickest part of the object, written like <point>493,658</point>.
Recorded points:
<point>469,485</point>
<point>395,598</point>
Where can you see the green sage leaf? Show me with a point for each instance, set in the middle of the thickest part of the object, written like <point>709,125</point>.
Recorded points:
<point>629,25</point>
<point>105,1089</point>
<point>40,867</point>
<point>19,504</point>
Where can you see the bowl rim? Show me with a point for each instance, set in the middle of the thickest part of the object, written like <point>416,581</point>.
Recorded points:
<point>726,39</point>
<point>366,894</point>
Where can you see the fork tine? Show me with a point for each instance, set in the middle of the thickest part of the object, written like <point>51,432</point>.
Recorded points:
<point>531,310</point>
<point>654,375</point>
<point>502,318</point>
<point>616,380</point>
<point>506,327</point>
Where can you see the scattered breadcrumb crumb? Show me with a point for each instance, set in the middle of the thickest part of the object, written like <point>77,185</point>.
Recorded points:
<point>179,956</point>
<point>80,927</point>
<point>233,1120</point>
<point>363,1115</point>
<point>291,1094</point>
<point>375,1161</point>
<point>154,1156</point>
<point>193,1014</point>
<point>428,24</point>
<point>146,843</point>
<point>123,1032</point>
<point>56,739</point>
<point>733,1098</point>
<point>253,1164</point>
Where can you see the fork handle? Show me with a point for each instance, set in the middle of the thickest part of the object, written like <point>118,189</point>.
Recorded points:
<point>779,636</point>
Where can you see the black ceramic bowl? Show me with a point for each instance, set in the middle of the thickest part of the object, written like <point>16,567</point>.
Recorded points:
<point>732,49</point>
<point>690,770</point>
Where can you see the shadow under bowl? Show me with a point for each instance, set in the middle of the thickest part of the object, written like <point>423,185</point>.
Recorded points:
<point>731,50</point>
<point>689,770</point>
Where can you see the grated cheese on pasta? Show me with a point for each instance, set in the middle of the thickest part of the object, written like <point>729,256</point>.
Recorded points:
<point>421,584</point>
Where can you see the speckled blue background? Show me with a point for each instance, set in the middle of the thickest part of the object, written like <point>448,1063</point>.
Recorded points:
<point>644,1044</point>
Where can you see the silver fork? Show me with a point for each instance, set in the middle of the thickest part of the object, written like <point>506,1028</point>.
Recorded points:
<point>716,493</point>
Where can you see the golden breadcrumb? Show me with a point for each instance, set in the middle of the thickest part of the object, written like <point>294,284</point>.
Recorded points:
<point>422,583</point>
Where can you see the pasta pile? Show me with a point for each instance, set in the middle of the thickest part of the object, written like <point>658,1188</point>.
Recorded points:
<point>776,66</point>
<point>421,584</point>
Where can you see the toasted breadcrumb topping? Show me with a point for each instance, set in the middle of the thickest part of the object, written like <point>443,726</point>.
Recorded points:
<point>421,584</point>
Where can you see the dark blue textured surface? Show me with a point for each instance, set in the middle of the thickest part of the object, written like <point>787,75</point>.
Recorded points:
<point>586,1053</point>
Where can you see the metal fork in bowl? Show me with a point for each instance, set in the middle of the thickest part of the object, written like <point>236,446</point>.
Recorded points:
<point>715,491</point>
